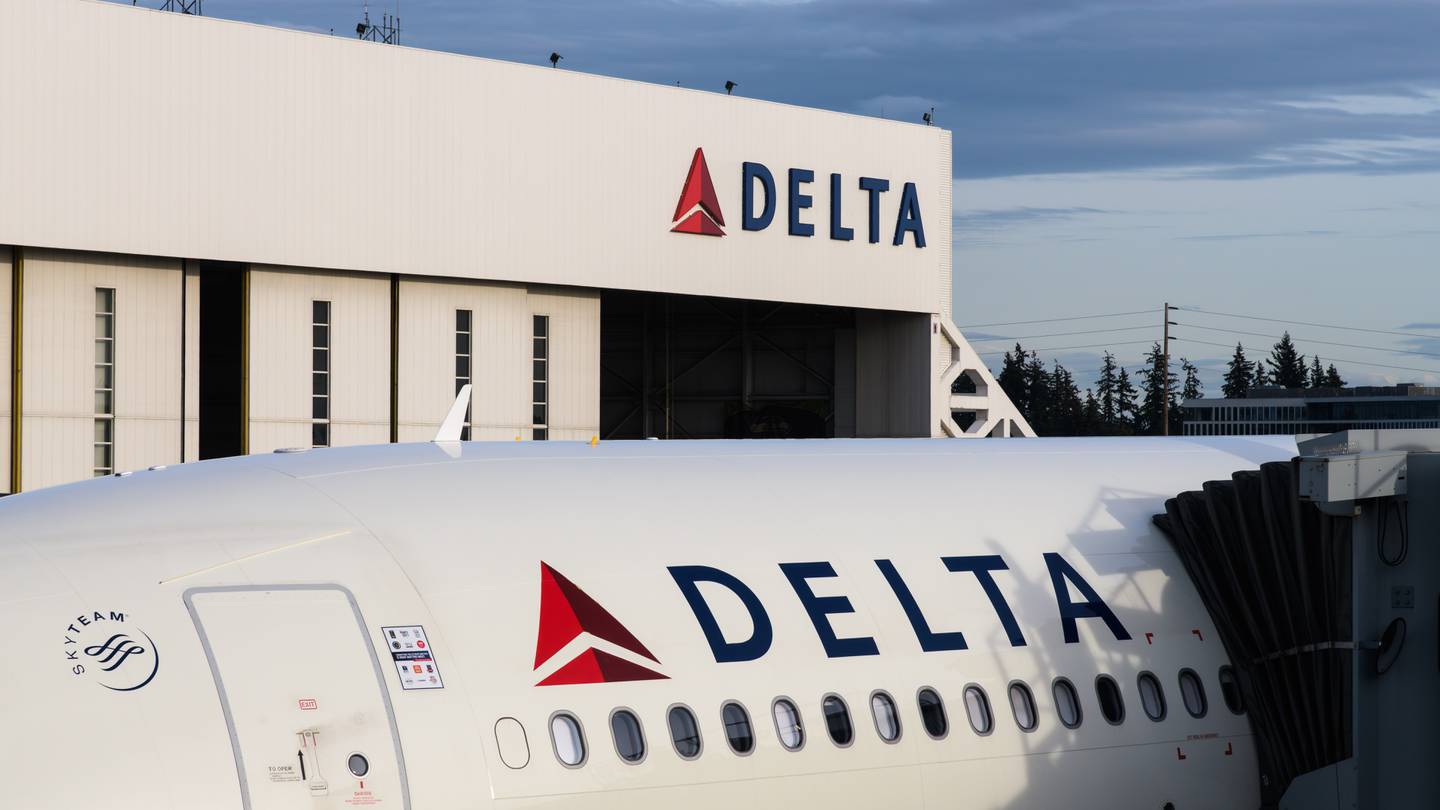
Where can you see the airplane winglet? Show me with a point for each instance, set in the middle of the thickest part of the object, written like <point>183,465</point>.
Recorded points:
<point>454,422</point>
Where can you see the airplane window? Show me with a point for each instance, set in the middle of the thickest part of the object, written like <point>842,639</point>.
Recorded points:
<point>1230,690</point>
<point>1192,691</point>
<point>837,720</point>
<point>977,706</point>
<point>568,739</point>
<point>787,724</point>
<point>887,717</point>
<point>1022,704</point>
<point>684,732</point>
<point>1152,696</point>
<point>1112,705</point>
<point>629,739</point>
<point>1067,703</point>
<point>737,728</point>
<point>932,713</point>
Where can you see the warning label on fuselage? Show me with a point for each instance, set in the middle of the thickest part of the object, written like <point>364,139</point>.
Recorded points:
<point>414,660</point>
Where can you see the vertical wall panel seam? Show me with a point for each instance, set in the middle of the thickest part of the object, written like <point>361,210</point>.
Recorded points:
<point>394,358</point>
<point>17,325</point>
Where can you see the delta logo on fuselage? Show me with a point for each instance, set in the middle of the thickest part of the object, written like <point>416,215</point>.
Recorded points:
<point>566,613</point>
<point>698,211</point>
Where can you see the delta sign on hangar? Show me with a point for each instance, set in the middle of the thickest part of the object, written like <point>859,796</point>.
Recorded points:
<point>237,257</point>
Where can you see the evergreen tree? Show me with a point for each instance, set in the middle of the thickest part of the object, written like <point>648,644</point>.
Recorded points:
<point>1238,375</point>
<point>1262,378</point>
<point>1066,409</point>
<point>1317,374</point>
<point>1107,389</point>
<point>1124,404</point>
<point>1037,394</point>
<point>1012,380</point>
<point>1287,366</point>
<point>1193,388</point>
<point>1158,387</point>
<point>1332,378</point>
<point>1090,416</point>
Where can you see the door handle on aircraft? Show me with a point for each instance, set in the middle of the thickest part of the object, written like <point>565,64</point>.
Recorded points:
<point>310,762</point>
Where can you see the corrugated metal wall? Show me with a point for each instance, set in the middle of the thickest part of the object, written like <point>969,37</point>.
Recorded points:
<point>59,363</point>
<point>501,352</point>
<point>5,326</point>
<point>892,374</point>
<point>280,358</point>
<point>574,365</point>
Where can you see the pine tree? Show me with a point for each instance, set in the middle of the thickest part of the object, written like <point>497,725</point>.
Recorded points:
<point>1012,380</point>
<point>1106,387</point>
<point>1262,378</point>
<point>1238,375</point>
<point>1287,366</point>
<point>1158,388</point>
<point>1090,416</point>
<point>1332,378</point>
<point>1317,374</point>
<point>1124,404</point>
<point>1193,388</point>
<point>1037,394</point>
<point>1065,405</point>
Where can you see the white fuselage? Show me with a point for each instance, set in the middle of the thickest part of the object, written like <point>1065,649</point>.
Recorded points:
<point>452,621</point>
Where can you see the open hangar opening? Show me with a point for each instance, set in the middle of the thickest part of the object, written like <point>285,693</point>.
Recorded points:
<point>692,367</point>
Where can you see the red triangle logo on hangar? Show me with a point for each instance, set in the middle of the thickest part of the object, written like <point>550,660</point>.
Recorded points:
<point>565,613</point>
<point>698,201</point>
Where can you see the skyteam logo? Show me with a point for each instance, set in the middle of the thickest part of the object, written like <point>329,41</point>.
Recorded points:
<point>106,648</point>
<point>698,211</point>
<point>568,613</point>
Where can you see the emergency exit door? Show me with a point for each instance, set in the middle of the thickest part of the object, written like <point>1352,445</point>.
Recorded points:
<point>304,697</point>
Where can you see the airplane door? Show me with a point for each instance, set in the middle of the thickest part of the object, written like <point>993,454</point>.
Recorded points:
<point>309,715</point>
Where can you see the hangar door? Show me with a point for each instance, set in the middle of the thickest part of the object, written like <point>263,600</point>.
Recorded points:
<point>310,719</point>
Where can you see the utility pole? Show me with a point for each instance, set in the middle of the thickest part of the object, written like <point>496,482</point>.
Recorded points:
<point>1165,371</point>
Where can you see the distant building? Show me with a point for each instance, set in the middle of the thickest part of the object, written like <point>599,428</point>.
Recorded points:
<point>1314,410</point>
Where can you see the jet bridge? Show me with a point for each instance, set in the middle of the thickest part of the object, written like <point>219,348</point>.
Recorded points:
<point>1330,613</point>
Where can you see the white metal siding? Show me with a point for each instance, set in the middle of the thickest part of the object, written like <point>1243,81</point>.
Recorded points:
<point>59,363</point>
<point>500,357</point>
<point>493,170</point>
<point>5,326</point>
<point>574,364</point>
<point>192,364</point>
<point>280,362</point>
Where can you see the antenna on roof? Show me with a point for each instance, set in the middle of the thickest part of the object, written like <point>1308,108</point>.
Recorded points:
<point>183,7</point>
<point>386,32</point>
<point>929,117</point>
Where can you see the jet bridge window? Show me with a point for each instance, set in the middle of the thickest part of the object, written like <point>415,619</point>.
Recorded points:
<point>787,724</point>
<point>932,713</point>
<point>629,738</point>
<point>837,720</point>
<point>1230,690</point>
<point>887,716</point>
<point>1112,705</point>
<point>737,728</point>
<point>977,708</point>
<point>1067,703</point>
<point>1152,696</point>
<point>1192,693</point>
<point>684,732</point>
<point>1022,705</point>
<point>568,738</point>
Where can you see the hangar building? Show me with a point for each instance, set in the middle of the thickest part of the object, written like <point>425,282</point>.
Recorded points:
<point>219,238</point>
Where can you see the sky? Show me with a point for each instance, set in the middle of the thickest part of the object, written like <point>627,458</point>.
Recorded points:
<point>1275,159</point>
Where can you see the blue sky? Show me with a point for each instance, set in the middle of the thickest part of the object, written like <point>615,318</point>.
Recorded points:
<point>1276,158</point>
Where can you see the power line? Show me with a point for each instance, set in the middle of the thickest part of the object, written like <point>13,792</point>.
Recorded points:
<point>1312,340</point>
<point>1070,348</point>
<point>1333,359</point>
<point>1307,323</point>
<point>1057,320</point>
<point>1061,334</point>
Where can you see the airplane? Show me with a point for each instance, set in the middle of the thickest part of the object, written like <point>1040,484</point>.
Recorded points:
<point>821,624</point>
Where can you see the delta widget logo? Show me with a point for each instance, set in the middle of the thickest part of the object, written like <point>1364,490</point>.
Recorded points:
<point>566,613</point>
<point>698,211</point>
